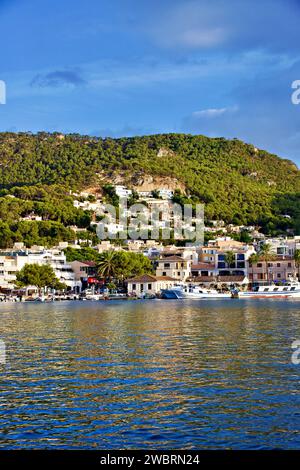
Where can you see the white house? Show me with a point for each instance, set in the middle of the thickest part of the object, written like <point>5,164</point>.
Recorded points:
<point>122,191</point>
<point>148,284</point>
<point>13,261</point>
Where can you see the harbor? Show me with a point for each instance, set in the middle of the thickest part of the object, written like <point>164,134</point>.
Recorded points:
<point>174,374</point>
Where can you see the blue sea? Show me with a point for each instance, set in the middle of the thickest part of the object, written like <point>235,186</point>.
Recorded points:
<point>155,374</point>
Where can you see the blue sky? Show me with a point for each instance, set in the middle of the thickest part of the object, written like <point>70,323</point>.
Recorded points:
<point>131,67</point>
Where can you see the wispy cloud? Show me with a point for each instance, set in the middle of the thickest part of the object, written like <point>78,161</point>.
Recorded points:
<point>233,24</point>
<point>213,112</point>
<point>58,78</point>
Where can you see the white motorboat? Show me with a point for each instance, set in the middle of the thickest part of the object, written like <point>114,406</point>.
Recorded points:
<point>270,291</point>
<point>193,292</point>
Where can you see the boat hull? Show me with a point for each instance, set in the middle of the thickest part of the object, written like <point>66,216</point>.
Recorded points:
<point>177,294</point>
<point>206,296</point>
<point>269,295</point>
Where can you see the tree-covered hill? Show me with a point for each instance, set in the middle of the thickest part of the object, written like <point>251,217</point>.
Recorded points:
<point>237,182</point>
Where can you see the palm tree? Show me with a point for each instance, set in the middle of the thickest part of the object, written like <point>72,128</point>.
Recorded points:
<point>253,259</point>
<point>108,265</point>
<point>297,260</point>
<point>266,255</point>
<point>230,259</point>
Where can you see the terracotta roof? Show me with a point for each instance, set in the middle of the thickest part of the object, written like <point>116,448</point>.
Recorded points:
<point>143,278</point>
<point>86,263</point>
<point>172,258</point>
<point>203,266</point>
<point>150,278</point>
<point>219,279</point>
<point>165,278</point>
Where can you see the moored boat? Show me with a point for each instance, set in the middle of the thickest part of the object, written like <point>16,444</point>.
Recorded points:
<point>271,291</point>
<point>193,292</point>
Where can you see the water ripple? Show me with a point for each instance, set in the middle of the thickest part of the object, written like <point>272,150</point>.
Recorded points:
<point>152,374</point>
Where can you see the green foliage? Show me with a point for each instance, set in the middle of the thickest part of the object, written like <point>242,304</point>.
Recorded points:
<point>297,258</point>
<point>230,258</point>
<point>243,236</point>
<point>84,254</point>
<point>238,183</point>
<point>109,193</point>
<point>122,264</point>
<point>38,275</point>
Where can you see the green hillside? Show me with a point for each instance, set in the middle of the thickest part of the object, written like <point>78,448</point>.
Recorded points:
<point>238,183</point>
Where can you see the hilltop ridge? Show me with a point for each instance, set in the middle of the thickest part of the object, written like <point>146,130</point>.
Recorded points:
<point>237,182</point>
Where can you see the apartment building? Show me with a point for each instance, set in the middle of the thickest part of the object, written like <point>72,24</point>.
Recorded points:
<point>85,272</point>
<point>278,270</point>
<point>13,261</point>
<point>214,262</point>
<point>175,267</point>
<point>283,246</point>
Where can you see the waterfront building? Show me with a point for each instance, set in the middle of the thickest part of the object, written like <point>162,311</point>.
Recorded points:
<point>283,246</point>
<point>85,272</point>
<point>278,269</point>
<point>13,261</point>
<point>148,284</point>
<point>174,267</point>
<point>215,259</point>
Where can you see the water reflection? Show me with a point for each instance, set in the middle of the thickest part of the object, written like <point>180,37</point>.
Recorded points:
<point>156,374</point>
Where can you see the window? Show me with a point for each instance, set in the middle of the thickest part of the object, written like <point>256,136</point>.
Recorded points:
<point>266,290</point>
<point>178,273</point>
<point>133,286</point>
<point>278,265</point>
<point>240,256</point>
<point>240,264</point>
<point>164,273</point>
<point>259,265</point>
<point>289,265</point>
<point>149,286</point>
<point>278,275</point>
<point>166,265</point>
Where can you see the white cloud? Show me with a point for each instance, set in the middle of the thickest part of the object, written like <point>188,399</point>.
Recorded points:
<point>236,25</point>
<point>213,112</point>
<point>201,38</point>
<point>190,25</point>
